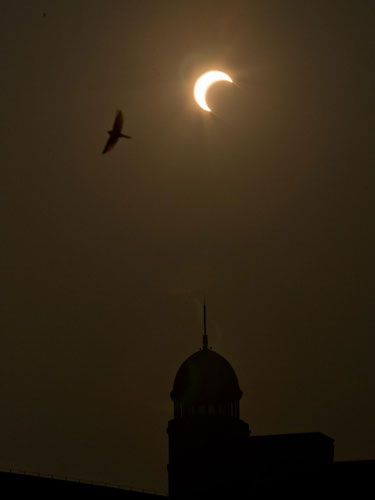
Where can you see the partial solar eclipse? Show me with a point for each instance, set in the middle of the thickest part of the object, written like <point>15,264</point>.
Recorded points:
<point>204,82</point>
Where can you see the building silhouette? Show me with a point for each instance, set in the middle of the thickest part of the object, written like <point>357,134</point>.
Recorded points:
<point>207,439</point>
<point>212,453</point>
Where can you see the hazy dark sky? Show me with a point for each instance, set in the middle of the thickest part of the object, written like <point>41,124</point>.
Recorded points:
<point>265,207</point>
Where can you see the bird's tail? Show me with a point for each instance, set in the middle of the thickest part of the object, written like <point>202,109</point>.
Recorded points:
<point>126,136</point>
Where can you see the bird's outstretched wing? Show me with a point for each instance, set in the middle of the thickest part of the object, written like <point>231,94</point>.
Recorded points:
<point>117,125</point>
<point>110,143</point>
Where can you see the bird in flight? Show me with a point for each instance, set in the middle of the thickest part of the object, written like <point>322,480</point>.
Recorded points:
<point>115,133</point>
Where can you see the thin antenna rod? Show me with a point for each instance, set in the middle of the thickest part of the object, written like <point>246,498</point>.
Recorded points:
<point>205,338</point>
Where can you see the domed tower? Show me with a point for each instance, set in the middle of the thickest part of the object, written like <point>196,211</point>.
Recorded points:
<point>207,439</point>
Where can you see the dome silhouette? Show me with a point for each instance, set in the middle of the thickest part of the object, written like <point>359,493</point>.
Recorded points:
<point>206,378</point>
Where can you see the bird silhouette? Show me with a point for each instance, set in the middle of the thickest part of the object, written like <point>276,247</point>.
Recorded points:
<point>115,133</point>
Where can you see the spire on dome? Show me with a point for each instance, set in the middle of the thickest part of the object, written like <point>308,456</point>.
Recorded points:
<point>205,338</point>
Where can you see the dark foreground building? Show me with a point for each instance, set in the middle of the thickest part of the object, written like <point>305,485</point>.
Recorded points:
<point>23,485</point>
<point>212,455</point>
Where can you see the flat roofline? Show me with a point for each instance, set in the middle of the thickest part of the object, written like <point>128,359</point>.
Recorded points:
<point>293,435</point>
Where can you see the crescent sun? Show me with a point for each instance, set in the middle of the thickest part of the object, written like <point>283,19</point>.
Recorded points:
<point>204,82</point>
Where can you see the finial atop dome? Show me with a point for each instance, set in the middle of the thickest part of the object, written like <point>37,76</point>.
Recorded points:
<point>205,338</point>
